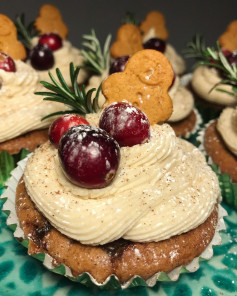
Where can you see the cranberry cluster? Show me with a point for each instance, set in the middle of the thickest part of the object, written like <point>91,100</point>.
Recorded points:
<point>90,156</point>
<point>41,56</point>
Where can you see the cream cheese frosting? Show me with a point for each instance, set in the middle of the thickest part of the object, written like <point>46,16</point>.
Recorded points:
<point>62,58</point>
<point>162,188</point>
<point>183,101</point>
<point>227,127</point>
<point>21,110</point>
<point>203,80</point>
<point>177,62</point>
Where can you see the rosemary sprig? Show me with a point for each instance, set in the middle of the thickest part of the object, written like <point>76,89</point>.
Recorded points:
<point>97,61</point>
<point>130,18</point>
<point>213,57</point>
<point>78,100</point>
<point>25,33</point>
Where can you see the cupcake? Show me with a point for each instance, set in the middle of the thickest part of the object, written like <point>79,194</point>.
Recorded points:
<point>219,142</point>
<point>149,34</point>
<point>21,110</point>
<point>213,69</point>
<point>139,182</point>
<point>47,44</point>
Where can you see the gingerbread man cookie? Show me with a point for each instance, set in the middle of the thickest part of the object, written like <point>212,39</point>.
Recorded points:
<point>144,83</point>
<point>228,39</point>
<point>128,41</point>
<point>8,39</point>
<point>155,21</point>
<point>50,21</point>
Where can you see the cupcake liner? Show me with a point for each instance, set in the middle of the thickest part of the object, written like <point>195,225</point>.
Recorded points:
<point>85,278</point>
<point>193,133</point>
<point>228,188</point>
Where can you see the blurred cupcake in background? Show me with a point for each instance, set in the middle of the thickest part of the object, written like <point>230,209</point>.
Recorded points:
<point>47,46</point>
<point>213,78</point>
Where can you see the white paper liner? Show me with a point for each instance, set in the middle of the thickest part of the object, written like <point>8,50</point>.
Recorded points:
<point>196,126</point>
<point>9,195</point>
<point>186,79</point>
<point>200,139</point>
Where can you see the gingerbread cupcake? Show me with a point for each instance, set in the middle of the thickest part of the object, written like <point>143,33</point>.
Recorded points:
<point>214,68</point>
<point>139,182</point>
<point>21,110</point>
<point>47,45</point>
<point>219,142</point>
<point>149,34</point>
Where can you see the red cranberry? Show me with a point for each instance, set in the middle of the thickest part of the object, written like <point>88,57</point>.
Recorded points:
<point>89,156</point>
<point>127,124</point>
<point>6,63</point>
<point>118,64</point>
<point>156,44</point>
<point>54,41</point>
<point>232,58</point>
<point>62,124</point>
<point>41,57</point>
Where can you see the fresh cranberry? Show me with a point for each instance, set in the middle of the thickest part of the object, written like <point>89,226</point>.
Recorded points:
<point>6,63</point>
<point>54,41</point>
<point>62,124</point>
<point>89,156</point>
<point>41,57</point>
<point>118,64</point>
<point>232,58</point>
<point>155,43</point>
<point>126,123</point>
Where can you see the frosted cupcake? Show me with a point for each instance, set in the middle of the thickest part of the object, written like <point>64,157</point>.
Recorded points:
<point>141,186</point>
<point>47,44</point>
<point>214,69</point>
<point>21,110</point>
<point>150,34</point>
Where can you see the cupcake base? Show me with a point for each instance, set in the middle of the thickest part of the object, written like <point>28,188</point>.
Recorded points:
<point>220,155</point>
<point>184,127</point>
<point>28,141</point>
<point>123,259</point>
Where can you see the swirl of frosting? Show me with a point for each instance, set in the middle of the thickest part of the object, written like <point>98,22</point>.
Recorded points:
<point>227,127</point>
<point>62,58</point>
<point>21,110</point>
<point>156,193</point>
<point>18,83</point>
<point>183,101</point>
<point>203,80</point>
<point>177,62</point>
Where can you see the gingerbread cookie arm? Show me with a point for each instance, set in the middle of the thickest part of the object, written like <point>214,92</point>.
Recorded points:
<point>144,83</point>
<point>8,39</point>
<point>128,41</point>
<point>50,21</point>
<point>228,39</point>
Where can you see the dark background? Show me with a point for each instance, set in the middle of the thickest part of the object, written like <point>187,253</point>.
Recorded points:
<point>183,18</point>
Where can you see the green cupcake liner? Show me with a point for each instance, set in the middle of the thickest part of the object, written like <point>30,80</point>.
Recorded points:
<point>86,279</point>
<point>8,162</point>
